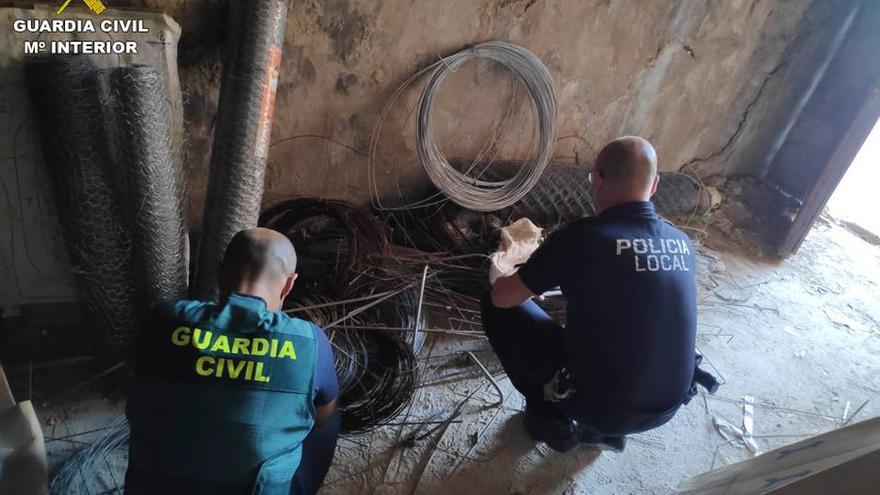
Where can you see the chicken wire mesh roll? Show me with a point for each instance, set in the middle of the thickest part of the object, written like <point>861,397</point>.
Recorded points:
<point>152,179</point>
<point>563,194</point>
<point>65,96</point>
<point>472,192</point>
<point>240,146</point>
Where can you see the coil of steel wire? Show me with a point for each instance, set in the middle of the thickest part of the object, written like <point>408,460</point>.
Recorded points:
<point>384,384</point>
<point>339,249</point>
<point>374,355</point>
<point>81,473</point>
<point>476,193</point>
<point>333,240</point>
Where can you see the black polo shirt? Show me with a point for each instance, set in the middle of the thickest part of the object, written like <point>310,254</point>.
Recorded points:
<point>629,280</point>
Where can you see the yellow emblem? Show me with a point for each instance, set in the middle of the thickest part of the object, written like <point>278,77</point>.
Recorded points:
<point>96,6</point>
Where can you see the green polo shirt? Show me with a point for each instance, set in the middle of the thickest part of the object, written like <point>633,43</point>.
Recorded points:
<point>222,399</point>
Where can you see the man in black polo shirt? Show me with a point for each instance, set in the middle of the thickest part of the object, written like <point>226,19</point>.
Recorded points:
<point>625,360</point>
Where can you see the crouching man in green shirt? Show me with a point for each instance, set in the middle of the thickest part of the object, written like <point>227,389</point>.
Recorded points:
<point>234,397</point>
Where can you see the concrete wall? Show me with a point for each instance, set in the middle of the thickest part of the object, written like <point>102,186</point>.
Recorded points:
<point>689,75</point>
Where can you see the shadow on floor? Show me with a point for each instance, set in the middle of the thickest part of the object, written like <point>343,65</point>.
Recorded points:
<point>510,455</point>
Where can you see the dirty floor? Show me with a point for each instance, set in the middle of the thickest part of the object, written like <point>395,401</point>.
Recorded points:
<point>801,338</point>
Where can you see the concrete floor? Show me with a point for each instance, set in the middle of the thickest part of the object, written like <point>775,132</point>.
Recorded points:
<point>801,337</point>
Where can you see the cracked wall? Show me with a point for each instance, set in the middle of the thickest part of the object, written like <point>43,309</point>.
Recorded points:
<point>690,76</point>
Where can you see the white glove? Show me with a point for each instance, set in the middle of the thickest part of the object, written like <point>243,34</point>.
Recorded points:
<point>518,241</point>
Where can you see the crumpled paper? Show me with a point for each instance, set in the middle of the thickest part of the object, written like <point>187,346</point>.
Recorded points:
<point>518,241</point>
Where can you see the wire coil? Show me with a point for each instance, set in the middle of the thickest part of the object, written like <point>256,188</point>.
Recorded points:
<point>472,192</point>
<point>334,241</point>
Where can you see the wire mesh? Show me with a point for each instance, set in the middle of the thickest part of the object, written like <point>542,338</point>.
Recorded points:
<point>152,181</point>
<point>65,96</point>
<point>561,195</point>
<point>79,474</point>
<point>241,136</point>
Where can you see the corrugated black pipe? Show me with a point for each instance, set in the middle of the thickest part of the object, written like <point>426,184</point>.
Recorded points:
<point>241,135</point>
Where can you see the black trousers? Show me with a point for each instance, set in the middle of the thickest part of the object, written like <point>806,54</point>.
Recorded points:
<point>531,348</point>
<point>529,345</point>
<point>317,454</point>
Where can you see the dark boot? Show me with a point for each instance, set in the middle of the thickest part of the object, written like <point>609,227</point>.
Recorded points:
<point>594,439</point>
<point>551,426</point>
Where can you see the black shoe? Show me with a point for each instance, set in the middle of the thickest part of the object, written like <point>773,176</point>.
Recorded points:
<point>592,438</point>
<point>611,444</point>
<point>552,428</point>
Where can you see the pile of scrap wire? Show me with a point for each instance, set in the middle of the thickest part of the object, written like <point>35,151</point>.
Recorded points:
<point>444,227</point>
<point>331,237</point>
<point>82,472</point>
<point>373,297</point>
<point>377,334</point>
<point>374,351</point>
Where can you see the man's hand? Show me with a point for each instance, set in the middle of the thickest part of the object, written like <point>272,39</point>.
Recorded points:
<point>509,291</point>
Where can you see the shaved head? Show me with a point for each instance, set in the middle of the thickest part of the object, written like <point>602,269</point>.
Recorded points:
<point>259,254</point>
<point>625,171</point>
<point>629,158</point>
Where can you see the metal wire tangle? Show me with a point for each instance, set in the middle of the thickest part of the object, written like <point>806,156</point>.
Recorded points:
<point>474,193</point>
<point>333,239</point>
<point>376,367</point>
<point>80,474</point>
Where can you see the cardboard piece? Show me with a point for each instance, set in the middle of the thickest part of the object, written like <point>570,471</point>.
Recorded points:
<point>23,466</point>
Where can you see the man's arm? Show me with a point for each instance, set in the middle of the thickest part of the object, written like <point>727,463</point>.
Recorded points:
<point>323,413</point>
<point>326,384</point>
<point>509,292</point>
<point>544,270</point>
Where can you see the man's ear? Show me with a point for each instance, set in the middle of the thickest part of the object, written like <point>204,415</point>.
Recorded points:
<point>654,184</point>
<point>288,286</point>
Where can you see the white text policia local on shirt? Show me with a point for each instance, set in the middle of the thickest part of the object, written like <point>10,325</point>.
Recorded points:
<point>236,369</point>
<point>651,255</point>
